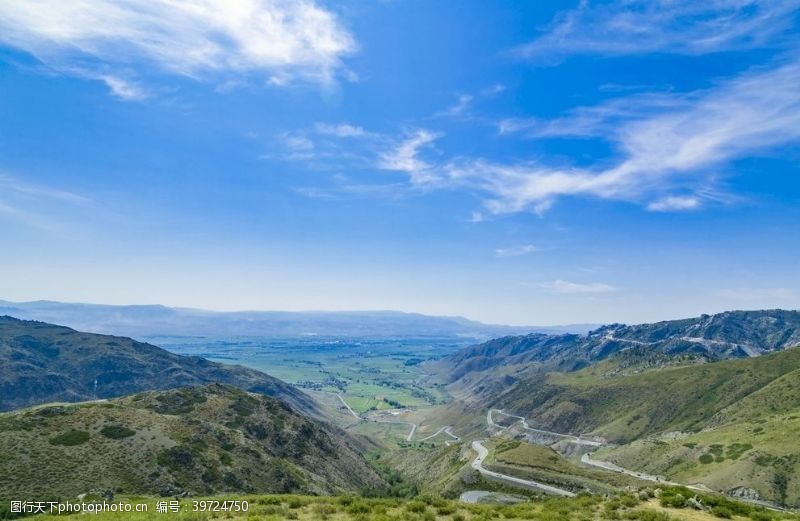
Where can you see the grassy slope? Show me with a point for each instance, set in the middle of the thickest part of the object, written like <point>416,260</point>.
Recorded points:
<point>762,455</point>
<point>753,402</point>
<point>628,407</point>
<point>200,440</point>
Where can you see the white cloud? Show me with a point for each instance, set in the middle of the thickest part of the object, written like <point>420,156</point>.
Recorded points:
<point>671,150</point>
<point>404,157</point>
<point>675,26</point>
<point>493,90</point>
<point>675,203</point>
<point>571,288</point>
<point>290,146</point>
<point>276,40</point>
<point>340,130</point>
<point>460,107</point>
<point>40,207</point>
<point>476,217</point>
<point>515,251</point>
<point>13,187</point>
<point>123,89</point>
<point>665,142</point>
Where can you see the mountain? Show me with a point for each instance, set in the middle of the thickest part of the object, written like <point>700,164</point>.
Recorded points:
<point>197,440</point>
<point>712,400</point>
<point>733,334</point>
<point>623,407</point>
<point>42,363</point>
<point>732,425</point>
<point>151,321</point>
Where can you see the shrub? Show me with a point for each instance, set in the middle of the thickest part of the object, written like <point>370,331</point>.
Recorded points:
<point>177,458</point>
<point>677,500</point>
<point>416,506</point>
<point>359,507</point>
<point>296,502</point>
<point>723,512</point>
<point>445,510</point>
<point>736,450</point>
<point>705,459</point>
<point>649,515</point>
<point>70,438</point>
<point>117,432</point>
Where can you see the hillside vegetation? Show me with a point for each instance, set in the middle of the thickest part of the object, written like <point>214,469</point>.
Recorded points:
<point>42,363</point>
<point>671,505</point>
<point>730,424</point>
<point>197,440</point>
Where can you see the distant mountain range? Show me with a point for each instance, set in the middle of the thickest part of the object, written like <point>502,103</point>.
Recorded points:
<point>154,320</point>
<point>42,363</point>
<point>733,334</point>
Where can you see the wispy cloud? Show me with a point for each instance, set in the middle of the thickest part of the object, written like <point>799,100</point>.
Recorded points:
<point>515,251</point>
<point>675,203</point>
<point>671,151</point>
<point>493,90</point>
<point>124,89</point>
<point>571,288</point>
<point>666,144</point>
<point>290,146</point>
<point>476,217</point>
<point>11,186</point>
<point>673,26</point>
<point>404,156</point>
<point>342,130</point>
<point>459,108</point>
<point>215,40</point>
<point>37,206</point>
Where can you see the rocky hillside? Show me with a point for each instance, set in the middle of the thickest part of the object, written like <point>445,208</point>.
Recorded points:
<point>42,363</point>
<point>196,440</point>
<point>734,334</point>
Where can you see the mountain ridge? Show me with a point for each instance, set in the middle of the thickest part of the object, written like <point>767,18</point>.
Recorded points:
<point>41,362</point>
<point>731,334</point>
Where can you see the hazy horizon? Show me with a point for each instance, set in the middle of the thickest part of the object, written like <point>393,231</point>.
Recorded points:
<point>367,311</point>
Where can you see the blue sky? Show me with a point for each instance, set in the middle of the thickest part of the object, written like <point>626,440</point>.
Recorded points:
<point>512,162</point>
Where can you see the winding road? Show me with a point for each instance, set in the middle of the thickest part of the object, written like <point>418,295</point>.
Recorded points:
<point>586,459</point>
<point>607,465</point>
<point>446,429</point>
<point>523,422</point>
<point>477,464</point>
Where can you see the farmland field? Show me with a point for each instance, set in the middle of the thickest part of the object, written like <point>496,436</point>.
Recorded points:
<point>369,373</point>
